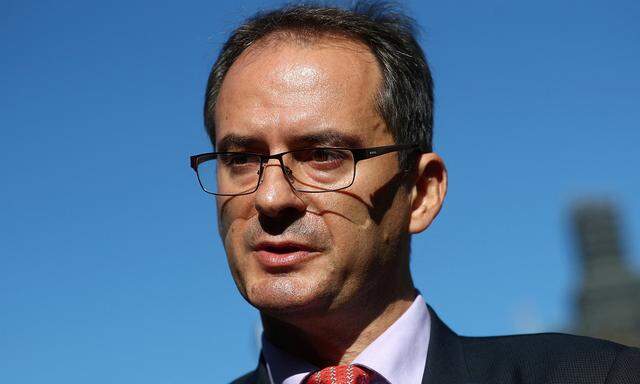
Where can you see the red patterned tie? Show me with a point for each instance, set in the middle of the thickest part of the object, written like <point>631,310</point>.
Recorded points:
<point>341,374</point>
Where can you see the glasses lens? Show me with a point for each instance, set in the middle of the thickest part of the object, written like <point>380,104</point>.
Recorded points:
<point>230,173</point>
<point>320,169</point>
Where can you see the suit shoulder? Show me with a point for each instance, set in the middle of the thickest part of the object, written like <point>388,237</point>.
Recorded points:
<point>248,378</point>
<point>543,357</point>
<point>537,343</point>
<point>257,376</point>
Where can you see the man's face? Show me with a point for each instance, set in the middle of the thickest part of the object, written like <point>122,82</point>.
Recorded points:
<point>293,252</point>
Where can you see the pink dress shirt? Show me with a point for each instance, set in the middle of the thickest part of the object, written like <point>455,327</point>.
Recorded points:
<point>397,356</point>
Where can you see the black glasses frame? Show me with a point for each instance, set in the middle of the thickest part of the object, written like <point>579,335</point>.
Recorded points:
<point>358,154</point>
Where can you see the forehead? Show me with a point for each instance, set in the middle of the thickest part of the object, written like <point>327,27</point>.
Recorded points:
<point>280,89</point>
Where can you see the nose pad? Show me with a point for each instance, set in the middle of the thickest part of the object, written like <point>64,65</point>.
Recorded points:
<point>288,173</point>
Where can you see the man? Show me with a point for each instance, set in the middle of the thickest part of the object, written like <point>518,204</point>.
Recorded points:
<point>321,119</point>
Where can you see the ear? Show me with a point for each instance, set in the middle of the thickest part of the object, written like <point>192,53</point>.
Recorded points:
<point>429,190</point>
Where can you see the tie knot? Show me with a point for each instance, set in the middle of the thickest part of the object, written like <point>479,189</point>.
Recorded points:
<point>340,374</point>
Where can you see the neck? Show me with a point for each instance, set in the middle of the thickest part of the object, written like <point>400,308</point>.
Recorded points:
<point>337,337</point>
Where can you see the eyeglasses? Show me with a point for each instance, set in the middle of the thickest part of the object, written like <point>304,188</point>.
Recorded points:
<point>311,170</point>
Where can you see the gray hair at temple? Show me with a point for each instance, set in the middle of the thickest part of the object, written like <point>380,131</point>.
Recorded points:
<point>405,100</point>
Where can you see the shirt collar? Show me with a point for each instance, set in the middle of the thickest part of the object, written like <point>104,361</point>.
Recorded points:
<point>399,354</point>
<point>284,368</point>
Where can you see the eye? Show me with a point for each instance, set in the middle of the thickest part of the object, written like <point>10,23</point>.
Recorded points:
<point>239,159</point>
<point>323,159</point>
<point>323,155</point>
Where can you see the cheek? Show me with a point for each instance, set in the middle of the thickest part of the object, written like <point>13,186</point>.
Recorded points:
<point>366,229</point>
<point>232,212</point>
<point>233,216</point>
<point>233,246</point>
<point>350,225</point>
<point>343,210</point>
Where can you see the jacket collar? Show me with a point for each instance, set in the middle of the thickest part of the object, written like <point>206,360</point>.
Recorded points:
<point>445,356</point>
<point>260,375</point>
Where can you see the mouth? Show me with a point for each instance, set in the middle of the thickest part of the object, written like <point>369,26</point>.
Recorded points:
<point>283,255</point>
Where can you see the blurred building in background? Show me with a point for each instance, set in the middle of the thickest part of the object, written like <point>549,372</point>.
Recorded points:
<point>608,299</point>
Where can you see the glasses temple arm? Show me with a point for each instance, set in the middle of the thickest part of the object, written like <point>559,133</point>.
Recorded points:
<point>367,153</point>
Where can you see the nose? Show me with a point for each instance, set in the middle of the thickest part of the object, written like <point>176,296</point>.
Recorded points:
<point>275,195</point>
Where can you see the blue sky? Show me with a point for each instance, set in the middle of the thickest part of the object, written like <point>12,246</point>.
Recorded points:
<point>111,270</point>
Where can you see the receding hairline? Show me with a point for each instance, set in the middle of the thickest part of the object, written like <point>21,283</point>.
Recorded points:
<point>308,40</point>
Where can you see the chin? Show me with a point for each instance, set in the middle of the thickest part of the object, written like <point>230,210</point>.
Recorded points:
<point>285,294</point>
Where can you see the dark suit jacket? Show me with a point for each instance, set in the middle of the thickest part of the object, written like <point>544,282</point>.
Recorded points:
<point>528,359</point>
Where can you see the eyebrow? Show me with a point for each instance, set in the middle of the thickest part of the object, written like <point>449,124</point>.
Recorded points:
<point>329,138</point>
<point>233,141</point>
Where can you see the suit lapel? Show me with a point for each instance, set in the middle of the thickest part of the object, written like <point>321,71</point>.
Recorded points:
<point>445,357</point>
<point>261,374</point>
<point>257,376</point>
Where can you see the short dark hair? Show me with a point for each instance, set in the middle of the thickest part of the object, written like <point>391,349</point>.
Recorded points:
<point>405,97</point>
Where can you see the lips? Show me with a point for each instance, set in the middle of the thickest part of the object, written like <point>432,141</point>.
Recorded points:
<point>283,254</point>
